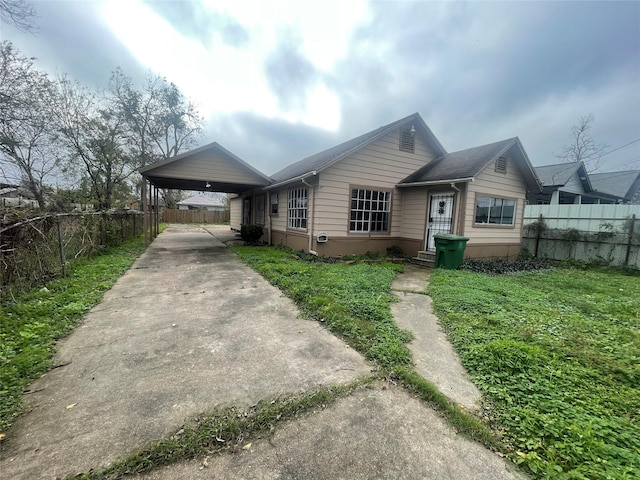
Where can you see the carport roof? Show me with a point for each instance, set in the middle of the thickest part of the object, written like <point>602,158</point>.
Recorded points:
<point>208,168</point>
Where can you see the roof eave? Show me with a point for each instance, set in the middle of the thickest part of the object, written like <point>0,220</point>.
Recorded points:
<point>436,182</point>
<point>298,178</point>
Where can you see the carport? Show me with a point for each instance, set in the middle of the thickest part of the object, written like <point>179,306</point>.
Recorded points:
<point>210,168</point>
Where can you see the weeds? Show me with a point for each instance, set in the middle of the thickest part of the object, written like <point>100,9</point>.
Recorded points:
<point>225,429</point>
<point>30,324</point>
<point>556,354</point>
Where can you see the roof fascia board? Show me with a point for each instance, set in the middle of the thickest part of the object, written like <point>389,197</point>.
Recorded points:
<point>436,182</point>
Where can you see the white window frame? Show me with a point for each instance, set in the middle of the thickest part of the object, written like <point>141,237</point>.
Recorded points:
<point>496,210</point>
<point>297,204</point>
<point>369,210</point>
<point>274,203</point>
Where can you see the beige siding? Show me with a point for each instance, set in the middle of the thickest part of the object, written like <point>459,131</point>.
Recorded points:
<point>494,184</point>
<point>208,167</point>
<point>414,212</point>
<point>379,165</point>
<point>235,208</point>
<point>279,221</point>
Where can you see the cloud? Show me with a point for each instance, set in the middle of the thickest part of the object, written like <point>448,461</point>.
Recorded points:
<point>197,21</point>
<point>70,40</point>
<point>289,73</point>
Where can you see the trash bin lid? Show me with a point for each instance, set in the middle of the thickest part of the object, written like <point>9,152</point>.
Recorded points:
<point>450,236</point>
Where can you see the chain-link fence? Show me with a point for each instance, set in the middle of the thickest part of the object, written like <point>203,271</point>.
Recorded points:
<point>612,245</point>
<point>38,249</point>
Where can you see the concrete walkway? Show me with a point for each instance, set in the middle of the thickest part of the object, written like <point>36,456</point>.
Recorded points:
<point>433,356</point>
<point>189,327</point>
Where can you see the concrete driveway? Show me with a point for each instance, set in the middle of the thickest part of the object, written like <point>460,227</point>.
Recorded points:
<point>189,327</point>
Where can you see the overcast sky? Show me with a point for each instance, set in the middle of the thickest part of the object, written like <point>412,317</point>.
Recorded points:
<point>280,80</point>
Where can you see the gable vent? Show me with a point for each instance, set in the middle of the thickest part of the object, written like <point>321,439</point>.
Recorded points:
<point>501,164</point>
<point>407,140</point>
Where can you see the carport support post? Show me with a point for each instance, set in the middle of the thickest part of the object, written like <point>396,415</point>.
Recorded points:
<point>145,212</point>
<point>157,217</point>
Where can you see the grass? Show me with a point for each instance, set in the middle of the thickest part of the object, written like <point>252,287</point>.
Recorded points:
<point>556,354</point>
<point>354,301</point>
<point>224,429</point>
<point>31,323</point>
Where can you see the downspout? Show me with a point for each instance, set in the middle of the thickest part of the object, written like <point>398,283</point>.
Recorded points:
<point>312,205</point>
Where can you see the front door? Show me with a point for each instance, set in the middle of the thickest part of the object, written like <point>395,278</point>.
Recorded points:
<point>440,217</point>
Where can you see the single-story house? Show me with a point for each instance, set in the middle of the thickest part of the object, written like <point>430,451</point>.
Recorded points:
<point>625,185</point>
<point>395,186</point>
<point>568,183</point>
<point>202,201</point>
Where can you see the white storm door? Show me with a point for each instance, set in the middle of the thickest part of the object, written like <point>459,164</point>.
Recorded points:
<point>440,216</point>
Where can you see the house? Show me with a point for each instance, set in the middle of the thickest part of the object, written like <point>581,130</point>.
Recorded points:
<point>395,186</point>
<point>625,185</point>
<point>204,201</point>
<point>568,183</point>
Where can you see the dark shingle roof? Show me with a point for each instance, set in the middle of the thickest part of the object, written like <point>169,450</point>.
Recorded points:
<point>615,183</point>
<point>327,157</point>
<point>463,164</point>
<point>557,174</point>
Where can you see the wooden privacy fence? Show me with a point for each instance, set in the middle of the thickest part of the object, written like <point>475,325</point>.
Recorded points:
<point>38,249</point>
<point>194,216</point>
<point>606,234</point>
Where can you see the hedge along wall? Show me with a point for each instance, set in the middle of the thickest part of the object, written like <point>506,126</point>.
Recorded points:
<point>36,250</point>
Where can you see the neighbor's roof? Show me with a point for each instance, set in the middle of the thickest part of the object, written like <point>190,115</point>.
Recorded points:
<point>464,165</point>
<point>203,201</point>
<point>558,174</point>
<point>615,183</point>
<point>326,158</point>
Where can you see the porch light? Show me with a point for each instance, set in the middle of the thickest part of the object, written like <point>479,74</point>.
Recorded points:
<point>208,185</point>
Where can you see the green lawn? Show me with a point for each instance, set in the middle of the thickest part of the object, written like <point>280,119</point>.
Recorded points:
<point>557,356</point>
<point>30,324</point>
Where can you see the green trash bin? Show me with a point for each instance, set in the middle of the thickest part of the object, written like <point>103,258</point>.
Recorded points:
<point>449,250</point>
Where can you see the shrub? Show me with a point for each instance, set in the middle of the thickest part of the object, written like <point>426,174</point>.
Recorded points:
<point>501,266</point>
<point>251,233</point>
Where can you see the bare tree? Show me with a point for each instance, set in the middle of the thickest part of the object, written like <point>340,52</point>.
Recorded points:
<point>583,148</point>
<point>161,122</point>
<point>95,138</point>
<point>27,145</point>
<point>18,12</point>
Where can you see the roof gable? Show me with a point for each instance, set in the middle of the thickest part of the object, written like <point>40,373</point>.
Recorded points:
<point>465,165</point>
<point>326,158</point>
<point>559,174</point>
<point>620,184</point>
<point>210,167</point>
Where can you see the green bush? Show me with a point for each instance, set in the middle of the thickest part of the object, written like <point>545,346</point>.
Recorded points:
<point>251,233</point>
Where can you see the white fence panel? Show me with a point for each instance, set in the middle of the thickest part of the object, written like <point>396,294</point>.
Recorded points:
<point>586,218</point>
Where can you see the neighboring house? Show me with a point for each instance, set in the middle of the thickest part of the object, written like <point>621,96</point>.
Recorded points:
<point>396,185</point>
<point>624,184</point>
<point>568,183</point>
<point>16,196</point>
<point>202,201</point>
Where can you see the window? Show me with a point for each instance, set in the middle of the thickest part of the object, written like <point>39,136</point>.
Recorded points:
<point>274,203</point>
<point>495,211</point>
<point>501,164</point>
<point>297,208</point>
<point>369,210</point>
<point>407,140</point>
